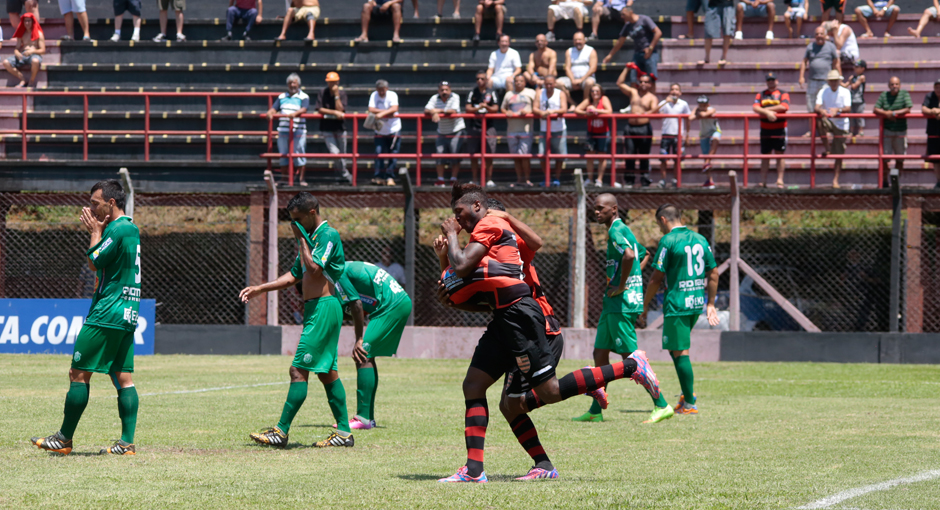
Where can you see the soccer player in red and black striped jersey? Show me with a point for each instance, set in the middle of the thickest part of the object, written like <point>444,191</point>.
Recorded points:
<point>491,269</point>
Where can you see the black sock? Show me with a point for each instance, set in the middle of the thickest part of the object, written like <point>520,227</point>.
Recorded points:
<point>584,380</point>
<point>528,437</point>
<point>475,421</point>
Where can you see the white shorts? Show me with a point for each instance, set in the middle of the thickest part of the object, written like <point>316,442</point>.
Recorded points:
<point>565,82</point>
<point>67,6</point>
<point>797,12</point>
<point>568,10</point>
<point>895,142</point>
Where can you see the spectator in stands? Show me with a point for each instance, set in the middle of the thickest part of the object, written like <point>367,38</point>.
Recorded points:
<point>719,22</point>
<point>931,109</point>
<point>70,10</point>
<point>450,130</point>
<point>833,5</point>
<point>930,13</point>
<point>756,9</point>
<point>490,9</point>
<point>308,11</point>
<point>518,103</point>
<point>831,103</point>
<point>709,137</point>
<point>575,10</point>
<point>879,9</point>
<point>645,35</point>
<point>594,105</point>
<point>542,62</point>
<point>120,7</point>
<point>440,9</point>
<point>691,9</point>
<point>551,105</point>
<point>856,86</point>
<point>820,57</point>
<point>30,47</point>
<point>292,104</point>
<point>481,100</point>
<point>383,103</point>
<point>773,129</point>
<point>796,11</point>
<point>381,9</point>
<point>505,64</point>
<point>844,38</point>
<point>892,105</point>
<point>638,135</point>
<point>16,7</point>
<point>248,11</point>
<point>580,65</point>
<point>669,142</point>
<point>394,269</point>
<point>332,104</point>
<point>606,9</point>
<point>178,6</point>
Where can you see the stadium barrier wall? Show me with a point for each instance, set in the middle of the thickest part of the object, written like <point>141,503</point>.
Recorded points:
<point>205,339</point>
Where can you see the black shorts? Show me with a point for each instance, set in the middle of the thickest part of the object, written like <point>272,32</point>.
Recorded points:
<point>515,385</point>
<point>515,340</point>
<point>668,144</point>
<point>15,6</point>
<point>131,6</point>
<point>473,140</point>
<point>773,140</point>
<point>933,146</point>
<point>378,13</point>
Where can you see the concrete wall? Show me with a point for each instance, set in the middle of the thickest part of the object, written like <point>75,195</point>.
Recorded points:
<point>211,339</point>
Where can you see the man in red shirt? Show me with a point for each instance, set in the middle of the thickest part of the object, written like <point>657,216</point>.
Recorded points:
<point>773,129</point>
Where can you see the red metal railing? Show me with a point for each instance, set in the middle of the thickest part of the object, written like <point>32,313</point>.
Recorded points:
<point>207,132</point>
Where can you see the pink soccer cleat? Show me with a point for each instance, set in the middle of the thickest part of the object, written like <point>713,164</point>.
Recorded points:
<point>537,473</point>
<point>462,476</point>
<point>600,396</point>
<point>359,423</point>
<point>644,375</point>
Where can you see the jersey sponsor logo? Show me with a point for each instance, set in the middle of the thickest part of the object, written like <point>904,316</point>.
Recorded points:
<point>369,300</point>
<point>694,302</point>
<point>130,315</point>
<point>130,294</point>
<point>661,259</point>
<point>687,285</point>
<point>326,252</point>
<point>523,363</point>
<point>107,242</point>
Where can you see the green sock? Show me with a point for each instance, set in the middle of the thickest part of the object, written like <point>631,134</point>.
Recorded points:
<point>366,382</point>
<point>75,401</point>
<point>595,407</point>
<point>374,391</point>
<point>295,398</point>
<point>127,410</point>
<point>686,377</point>
<point>336,396</point>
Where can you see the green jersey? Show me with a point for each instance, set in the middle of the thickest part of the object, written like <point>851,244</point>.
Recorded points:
<point>370,284</point>
<point>619,238</point>
<point>326,250</point>
<point>684,257</point>
<point>116,301</point>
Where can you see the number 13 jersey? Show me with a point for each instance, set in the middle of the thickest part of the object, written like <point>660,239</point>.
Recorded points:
<point>117,287</point>
<point>685,257</point>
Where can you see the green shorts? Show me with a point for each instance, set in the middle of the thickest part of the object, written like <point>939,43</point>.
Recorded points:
<point>383,334</point>
<point>316,351</point>
<point>677,332</point>
<point>103,350</point>
<point>616,331</point>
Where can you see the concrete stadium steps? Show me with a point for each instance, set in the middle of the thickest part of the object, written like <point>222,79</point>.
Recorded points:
<point>756,28</point>
<point>787,51</point>
<point>787,74</point>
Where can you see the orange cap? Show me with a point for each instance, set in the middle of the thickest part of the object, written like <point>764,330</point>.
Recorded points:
<point>332,76</point>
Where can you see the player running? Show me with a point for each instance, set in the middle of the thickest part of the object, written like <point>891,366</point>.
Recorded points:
<point>367,289</point>
<point>487,275</point>
<point>105,344</point>
<point>319,265</point>
<point>623,303</point>
<point>684,259</point>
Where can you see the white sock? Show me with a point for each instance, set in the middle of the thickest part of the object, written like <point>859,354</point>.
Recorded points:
<point>136,31</point>
<point>117,31</point>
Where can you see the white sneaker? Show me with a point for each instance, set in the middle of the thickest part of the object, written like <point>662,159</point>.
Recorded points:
<point>115,38</point>
<point>598,182</point>
<point>490,183</point>
<point>618,185</point>
<point>739,35</point>
<point>180,37</point>
<point>550,36</point>
<point>135,37</point>
<point>769,35</point>
<point>159,38</point>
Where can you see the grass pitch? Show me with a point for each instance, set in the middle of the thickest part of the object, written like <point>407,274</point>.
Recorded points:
<point>768,436</point>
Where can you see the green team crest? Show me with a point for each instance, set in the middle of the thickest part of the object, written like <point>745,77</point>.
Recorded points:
<point>77,356</point>
<point>308,358</point>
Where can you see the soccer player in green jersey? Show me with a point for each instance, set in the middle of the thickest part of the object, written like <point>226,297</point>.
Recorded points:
<point>319,265</point>
<point>623,303</point>
<point>105,344</point>
<point>685,261</point>
<point>366,288</point>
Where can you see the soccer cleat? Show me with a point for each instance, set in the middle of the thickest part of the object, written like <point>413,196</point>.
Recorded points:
<point>462,476</point>
<point>644,375</point>
<point>359,423</point>
<point>660,414</point>
<point>687,409</point>
<point>589,417</point>
<point>54,443</point>
<point>537,473</point>
<point>271,436</point>
<point>120,448</point>
<point>334,439</point>
<point>681,402</point>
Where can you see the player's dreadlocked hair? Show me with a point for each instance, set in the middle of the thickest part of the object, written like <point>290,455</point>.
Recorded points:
<point>303,202</point>
<point>467,193</point>
<point>492,203</point>
<point>111,188</point>
<point>668,211</point>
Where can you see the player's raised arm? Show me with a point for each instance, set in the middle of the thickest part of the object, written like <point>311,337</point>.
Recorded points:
<point>531,239</point>
<point>95,228</point>
<point>465,260</point>
<point>440,248</point>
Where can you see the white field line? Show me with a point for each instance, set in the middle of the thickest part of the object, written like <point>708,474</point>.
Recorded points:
<point>859,491</point>
<point>203,390</point>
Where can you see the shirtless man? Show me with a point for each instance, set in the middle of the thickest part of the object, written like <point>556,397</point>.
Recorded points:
<point>542,62</point>
<point>30,46</point>
<point>638,136</point>
<point>301,10</point>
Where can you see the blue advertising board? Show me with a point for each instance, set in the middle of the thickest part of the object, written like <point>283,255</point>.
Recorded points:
<point>50,326</point>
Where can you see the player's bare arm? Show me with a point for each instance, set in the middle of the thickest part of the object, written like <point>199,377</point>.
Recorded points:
<point>655,282</point>
<point>285,281</point>
<point>359,354</point>
<point>465,260</point>
<point>95,228</point>
<point>626,266</point>
<point>645,261</point>
<point>712,289</point>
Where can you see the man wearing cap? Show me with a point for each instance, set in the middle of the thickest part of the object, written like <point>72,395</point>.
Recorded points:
<point>931,109</point>
<point>856,85</point>
<point>450,130</point>
<point>331,103</point>
<point>773,130</point>
<point>831,103</point>
<point>709,135</point>
<point>892,105</point>
<point>820,57</point>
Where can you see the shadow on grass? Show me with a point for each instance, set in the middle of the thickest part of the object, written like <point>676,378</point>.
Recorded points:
<point>635,410</point>
<point>290,446</point>
<point>421,477</point>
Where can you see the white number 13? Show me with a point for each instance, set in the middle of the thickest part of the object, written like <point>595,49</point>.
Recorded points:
<point>696,266</point>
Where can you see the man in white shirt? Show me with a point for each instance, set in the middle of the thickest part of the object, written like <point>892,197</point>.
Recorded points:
<point>394,269</point>
<point>383,103</point>
<point>575,10</point>
<point>450,130</point>
<point>551,104</point>
<point>669,142</point>
<point>580,65</point>
<point>505,64</point>
<point>831,103</point>
<point>519,103</point>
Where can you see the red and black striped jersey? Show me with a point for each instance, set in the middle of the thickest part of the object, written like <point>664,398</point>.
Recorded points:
<point>769,98</point>
<point>532,280</point>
